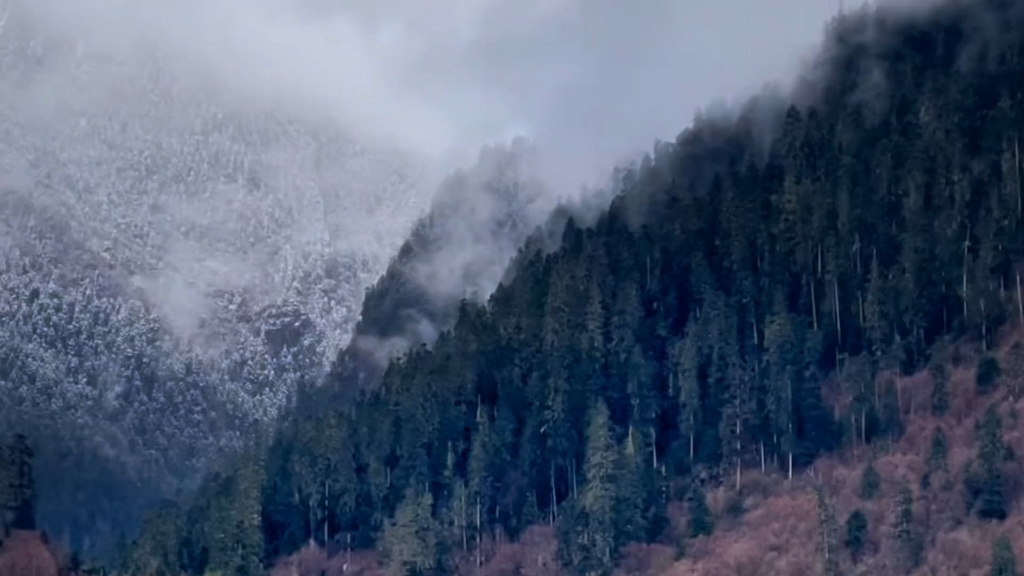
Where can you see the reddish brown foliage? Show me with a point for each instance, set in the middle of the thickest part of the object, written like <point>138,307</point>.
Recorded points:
<point>532,555</point>
<point>313,561</point>
<point>25,553</point>
<point>778,533</point>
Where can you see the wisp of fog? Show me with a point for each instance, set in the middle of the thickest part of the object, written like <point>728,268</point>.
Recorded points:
<point>412,89</point>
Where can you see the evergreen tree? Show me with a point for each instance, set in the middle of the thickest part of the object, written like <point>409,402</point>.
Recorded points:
<point>856,533</point>
<point>411,543</point>
<point>940,389</point>
<point>700,521</point>
<point>19,495</point>
<point>987,375</point>
<point>598,500</point>
<point>686,371</point>
<point>829,531</point>
<point>1004,561</point>
<point>937,457</point>
<point>870,482</point>
<point>1015,367</point>
<point>984,480</point>
<point>631,495</point>
<point>906,536</point>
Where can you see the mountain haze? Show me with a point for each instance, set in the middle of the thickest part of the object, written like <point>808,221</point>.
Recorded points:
<point>817,279</point>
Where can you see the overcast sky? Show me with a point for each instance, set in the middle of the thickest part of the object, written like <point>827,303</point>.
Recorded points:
<point>589,79</point>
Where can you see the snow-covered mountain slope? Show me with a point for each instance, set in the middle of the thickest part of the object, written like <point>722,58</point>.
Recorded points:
<point>171,265</point>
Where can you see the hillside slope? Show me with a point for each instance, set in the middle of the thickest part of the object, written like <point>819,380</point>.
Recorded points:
<point>748,304</point>
<point>773,527</point>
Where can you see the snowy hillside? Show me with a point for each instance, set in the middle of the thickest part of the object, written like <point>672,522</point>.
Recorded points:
<point>170,267</point>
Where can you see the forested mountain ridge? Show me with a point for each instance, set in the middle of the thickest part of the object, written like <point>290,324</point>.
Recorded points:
<point>743,304</point>
<point>460,249</point>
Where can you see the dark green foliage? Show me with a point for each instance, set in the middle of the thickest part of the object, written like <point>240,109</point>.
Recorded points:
<point>908,540</point>
<point>1004,561</point>
<point>938,452</point>
<point>940,389</point>
<point>218,530</point>
<point>593,538</point>
<point>411,541</point>
<point>890,422</point>
<point>937,459</point>
<point>987,375</point>
<point>870,482</point>
<point>699,515</point>
<point>1014,372</point>
<point>856,533</point>
<point>984,480</point>
<point>829,531</point>
<point>17,485</point>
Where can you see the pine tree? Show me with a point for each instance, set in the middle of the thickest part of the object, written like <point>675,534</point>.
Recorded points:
<point>1015,367</point>
<point>1004,561</point>
<point>686,363</point>
<point>909,544</point>
<point>986,482</point>
<point>410,541</point>
<point>597,502</point>
<point>828,530</point>
<point>631,494</point>
<point>940,389</point>
<point>870,482</point>
<point>987,375</point>
<point>700,521</point>
<point>856,533</point>
<point>19,496</point>
<point>937,457</point>
<point>782,354</point>
<point>890,421</point>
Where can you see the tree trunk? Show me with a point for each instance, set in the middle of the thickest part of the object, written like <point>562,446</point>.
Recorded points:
<point>860,309</point>
<point>312,528</point>
<point>1020,301</point>
<point>853,424</point>
<point>573,471</point>
<point>899,390</point>
<point>839,321</point>
<point>1016,165</point>
<point>967,244</point>
<point>739,452</point>
<point>554,506</point>
<point>984,327</point>
<point>654,447</point>
<point>814,306</point>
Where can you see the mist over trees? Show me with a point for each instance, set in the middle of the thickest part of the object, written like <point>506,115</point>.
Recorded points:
<point>706,325</point>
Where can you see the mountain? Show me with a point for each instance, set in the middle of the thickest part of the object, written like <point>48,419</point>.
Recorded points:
<point>754,304</point>
<point>462,249</point>
<point>172,266</point>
